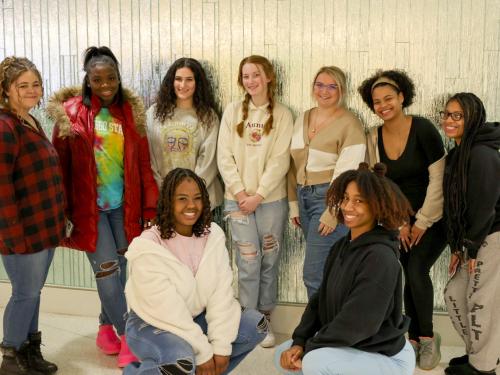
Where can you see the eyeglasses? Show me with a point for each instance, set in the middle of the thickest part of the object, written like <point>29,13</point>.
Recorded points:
<point>329,88</point>
<point>455,116</point>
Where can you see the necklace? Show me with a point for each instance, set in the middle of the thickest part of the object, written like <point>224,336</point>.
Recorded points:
<point>315,127</point>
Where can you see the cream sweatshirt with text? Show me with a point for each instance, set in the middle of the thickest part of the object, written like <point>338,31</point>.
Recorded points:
<point>255,163</point>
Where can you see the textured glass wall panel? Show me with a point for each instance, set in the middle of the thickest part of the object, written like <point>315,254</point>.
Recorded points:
<point>446,46</point>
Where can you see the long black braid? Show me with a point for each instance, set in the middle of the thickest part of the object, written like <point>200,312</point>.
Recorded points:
<point>455,180</point>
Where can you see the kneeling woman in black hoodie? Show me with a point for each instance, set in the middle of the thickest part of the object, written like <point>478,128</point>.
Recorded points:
<point>354,323</point>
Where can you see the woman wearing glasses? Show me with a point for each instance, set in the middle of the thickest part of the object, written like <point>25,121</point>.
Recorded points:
<point>327,140</point>
<point>472,212</point>
<point>412,149</point>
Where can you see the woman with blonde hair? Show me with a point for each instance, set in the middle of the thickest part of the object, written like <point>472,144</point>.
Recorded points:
<point>253,158</point>
<point>327,140</point>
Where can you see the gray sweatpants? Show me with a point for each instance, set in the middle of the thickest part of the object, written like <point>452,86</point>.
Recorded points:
<point>473,303</point>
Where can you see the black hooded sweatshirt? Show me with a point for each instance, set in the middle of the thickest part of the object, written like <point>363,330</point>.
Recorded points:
<point>482,213</point>
<point>359,303</point>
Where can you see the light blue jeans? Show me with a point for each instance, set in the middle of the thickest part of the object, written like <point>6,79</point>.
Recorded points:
<point>350,361</point>
<point>257,239</point>
<point>312,204</point>
<point>162,352</point>
<point>27,274</point>
<point>109,266</point>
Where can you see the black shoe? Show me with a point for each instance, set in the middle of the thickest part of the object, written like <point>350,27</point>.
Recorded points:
<point>459,360</point>
<point>35,357</point>
<point>15,362</point>
<point>465,369</point>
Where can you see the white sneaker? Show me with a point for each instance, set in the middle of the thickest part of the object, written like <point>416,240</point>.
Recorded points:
<point>270,340</point>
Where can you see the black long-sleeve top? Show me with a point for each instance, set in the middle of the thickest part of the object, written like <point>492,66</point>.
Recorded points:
<point>359,303</point>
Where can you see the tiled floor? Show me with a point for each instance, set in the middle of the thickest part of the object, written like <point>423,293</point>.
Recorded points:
<point>69,342</point>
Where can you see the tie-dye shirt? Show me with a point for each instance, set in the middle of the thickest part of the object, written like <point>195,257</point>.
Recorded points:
<point>108,151</point>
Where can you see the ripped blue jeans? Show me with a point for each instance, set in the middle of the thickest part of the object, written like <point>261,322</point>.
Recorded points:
<point>257,240</point>
<point>162,352</point>
<point>109,265</point>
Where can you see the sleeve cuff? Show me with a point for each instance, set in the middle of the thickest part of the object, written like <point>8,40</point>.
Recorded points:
<point>221,349</point>
<point>262,192</point>
<point>204,356</point>
<point>328,219</point>
<point>293,209</point>
<point>236,188</point>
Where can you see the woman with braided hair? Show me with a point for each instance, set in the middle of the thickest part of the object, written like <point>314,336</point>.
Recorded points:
<point>100,135</point>
<point>472,212</point>
<point>354,323</point>
<point>31,214</point>
<point>253,158</point>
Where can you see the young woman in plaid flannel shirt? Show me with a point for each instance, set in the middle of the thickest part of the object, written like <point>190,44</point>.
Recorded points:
<point>31,214</point>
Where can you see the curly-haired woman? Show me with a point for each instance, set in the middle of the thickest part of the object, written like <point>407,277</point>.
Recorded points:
<point>413,151</point>
<point>183,126</point>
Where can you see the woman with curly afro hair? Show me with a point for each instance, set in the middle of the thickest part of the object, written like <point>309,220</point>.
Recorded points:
<point>413,151</point>
<point>183,314</point>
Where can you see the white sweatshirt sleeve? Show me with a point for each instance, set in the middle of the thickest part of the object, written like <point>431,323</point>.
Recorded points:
<point>155,147</point>
<point>278,163</point>
<point>223,313</point>
<point>206,160</point>
<point>225,154</point>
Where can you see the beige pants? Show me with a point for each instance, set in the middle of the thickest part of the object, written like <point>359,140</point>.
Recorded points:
<point>473,303</point>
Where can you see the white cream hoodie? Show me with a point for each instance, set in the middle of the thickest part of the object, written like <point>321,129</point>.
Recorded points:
<point>163,292</point>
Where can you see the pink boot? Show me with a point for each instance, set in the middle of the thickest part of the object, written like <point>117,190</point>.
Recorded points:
<point>126,356</point>
<point>107,340</point>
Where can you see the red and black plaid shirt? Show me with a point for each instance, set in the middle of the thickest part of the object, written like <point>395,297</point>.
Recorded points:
<point>31,189</point>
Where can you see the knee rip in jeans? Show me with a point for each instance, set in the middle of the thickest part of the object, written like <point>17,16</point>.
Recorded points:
<point>107,269</point>
<point>181,367</point>
<point>247,250</point>
<point>237,217</point>
<point>121,251</point>
<point>263,325</point>
<point>270,243</point>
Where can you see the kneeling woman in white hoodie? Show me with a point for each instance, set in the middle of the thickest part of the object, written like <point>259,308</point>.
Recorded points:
<point>184,318</point>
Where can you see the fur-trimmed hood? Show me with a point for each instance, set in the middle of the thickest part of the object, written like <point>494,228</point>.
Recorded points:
<point>57,112</point>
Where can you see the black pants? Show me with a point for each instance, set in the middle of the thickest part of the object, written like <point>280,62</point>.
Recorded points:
<point>418,290</point>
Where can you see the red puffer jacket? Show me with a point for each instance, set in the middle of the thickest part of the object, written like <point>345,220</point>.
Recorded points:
<point>73,139</point>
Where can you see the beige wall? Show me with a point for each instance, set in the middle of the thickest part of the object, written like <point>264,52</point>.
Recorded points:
<point>445,45</point>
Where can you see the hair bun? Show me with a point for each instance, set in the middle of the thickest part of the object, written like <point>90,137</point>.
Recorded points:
<point>363,166</point>
<point>380,169</point>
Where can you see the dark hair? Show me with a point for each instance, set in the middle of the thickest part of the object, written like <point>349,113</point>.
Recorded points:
<point>268,69</point>
<point>387,203</point>
<point>455,180</point>
<point>165,216</point>
<point>404,85</point>
<point>11,68</point>
<point>203,98</point>
<point>99,55</point>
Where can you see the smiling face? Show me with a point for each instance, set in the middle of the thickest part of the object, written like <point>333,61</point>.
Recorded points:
<point>184,85</point>
<point>25,92</point>
<point>357,214</point>
<point>104,82</point>
<point>326,90</point>
<point>453,128</point>
<point>255,82</point>
<point>188,206</point>
<point>387,102</point>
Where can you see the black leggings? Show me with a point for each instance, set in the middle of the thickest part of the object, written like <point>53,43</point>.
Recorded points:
<point>418,290</point>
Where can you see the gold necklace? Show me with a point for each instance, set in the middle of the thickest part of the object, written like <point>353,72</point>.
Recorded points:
<point>315,128</point>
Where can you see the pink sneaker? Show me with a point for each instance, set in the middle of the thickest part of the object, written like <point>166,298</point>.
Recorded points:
<point>107,340</point>
<point>126,356</point>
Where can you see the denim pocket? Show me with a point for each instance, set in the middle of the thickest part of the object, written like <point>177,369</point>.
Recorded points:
<point>319,191</point>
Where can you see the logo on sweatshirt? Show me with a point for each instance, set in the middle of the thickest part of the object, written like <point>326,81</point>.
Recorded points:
<point>255,131</point>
